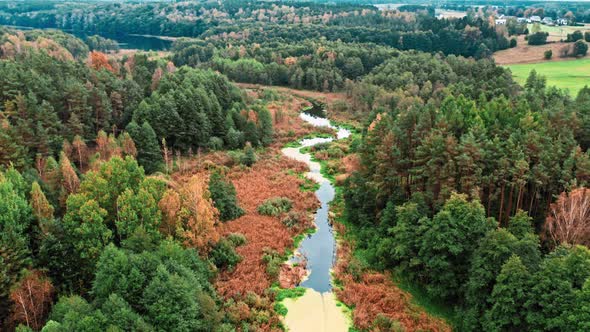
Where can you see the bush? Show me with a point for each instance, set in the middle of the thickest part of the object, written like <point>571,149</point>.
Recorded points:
<point>513,42</point>
<point>237,239</point>
<point>224,255</point>
<point>587,36</point>
<point>548,54</point>
<point>537,38</point>
<point>249,156</point>
<point>575,36</point>
<point>292,219</point>
<point>235,157</point>
<point>224,197</point>
<point>273,262</point>
<point>275,206</point>
<point>215,143</point>
<point>580,48</point>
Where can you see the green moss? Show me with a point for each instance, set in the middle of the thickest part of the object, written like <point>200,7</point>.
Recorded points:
<point>289,293</point>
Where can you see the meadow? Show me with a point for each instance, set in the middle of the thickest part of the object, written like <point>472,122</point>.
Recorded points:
<point>572,75</point>
<point>557,33</point>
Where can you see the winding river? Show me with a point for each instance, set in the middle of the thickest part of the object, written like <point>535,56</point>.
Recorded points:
<point>317,310</point>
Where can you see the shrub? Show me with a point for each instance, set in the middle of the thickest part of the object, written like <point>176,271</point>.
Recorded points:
<point>548,54</point>
<point>235,157</point>
<point>292,219</point>
<point>384,323</point>
<point>237,239</point>
<point>575,36</point>
<point>224,197</point>
<point>580,48</point>
<point>513,42</point>
<point>537,38</point>
<point>249,156</point>
<point>587,36</point>
<point>224,255</point>
<point>273,262</point>
<point>275,206</point>
<point>215,143</point>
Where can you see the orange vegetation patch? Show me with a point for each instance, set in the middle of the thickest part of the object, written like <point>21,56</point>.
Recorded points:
<point>375,294</point>
<point>268,178</point>
<point>337,102</point>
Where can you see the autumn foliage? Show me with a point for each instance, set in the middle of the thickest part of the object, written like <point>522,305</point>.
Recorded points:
<point>569,218</point>
<point>189,213</point>
<point>98,60</point>
<point>266,179</point>
<point>375,295</point>
<point>32,300</point>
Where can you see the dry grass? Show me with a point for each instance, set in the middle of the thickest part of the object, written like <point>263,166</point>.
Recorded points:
<point>524,53</point>
<point>268,178</point>
<point>374,294</point>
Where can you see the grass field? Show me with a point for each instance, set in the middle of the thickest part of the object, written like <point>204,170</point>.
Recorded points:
<point>572,75</point>
<point>557,33</point>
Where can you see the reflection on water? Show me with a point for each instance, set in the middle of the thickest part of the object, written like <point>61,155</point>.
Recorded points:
<point>319,248</point>
<point>126,42</point>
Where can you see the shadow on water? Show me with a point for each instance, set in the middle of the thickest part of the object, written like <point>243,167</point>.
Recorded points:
<point>133,42</point>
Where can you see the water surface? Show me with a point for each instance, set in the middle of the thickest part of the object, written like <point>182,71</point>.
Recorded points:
<point>319,248</point>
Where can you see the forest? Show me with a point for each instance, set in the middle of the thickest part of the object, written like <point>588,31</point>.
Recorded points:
<point>148,191</point>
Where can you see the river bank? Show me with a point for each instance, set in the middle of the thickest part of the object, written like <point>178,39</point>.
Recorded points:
<point>317,309</point>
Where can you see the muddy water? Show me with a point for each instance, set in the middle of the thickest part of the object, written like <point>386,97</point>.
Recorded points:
<point>317,310</point>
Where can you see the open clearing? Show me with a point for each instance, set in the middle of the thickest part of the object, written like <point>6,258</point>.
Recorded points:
<point>572,75</point>
<point>557,33</point>
<point>524,53</point>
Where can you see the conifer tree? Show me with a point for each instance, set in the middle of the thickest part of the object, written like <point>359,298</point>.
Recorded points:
<point>148,150</point>
<point>42,209</point>
<point>265,125</point>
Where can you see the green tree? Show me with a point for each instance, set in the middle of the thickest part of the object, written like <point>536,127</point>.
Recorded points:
<point>84,223</point>
<point>508,298</point>
<point>249,157</point>
<point>224,197</point>
<point>73,313</point>
<point>265,124</point>
<point>449,242</point>
<point>148,149</point>
<point>554,286</point>
<point>580,48</point>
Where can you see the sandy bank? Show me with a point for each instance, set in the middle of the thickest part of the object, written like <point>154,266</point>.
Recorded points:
<point>315,312</point>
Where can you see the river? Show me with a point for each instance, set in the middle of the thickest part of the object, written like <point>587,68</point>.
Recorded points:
<point>317,310</point>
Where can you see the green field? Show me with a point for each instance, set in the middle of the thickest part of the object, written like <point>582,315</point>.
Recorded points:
<point>572,75</point>
<point>560,32</point>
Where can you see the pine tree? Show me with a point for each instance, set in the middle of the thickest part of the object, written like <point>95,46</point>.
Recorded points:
<point>251,133</point>
<point>265,124</point>
<point>11,150</point>
<point>148,150</point>
<point>249,157</point>
<point>40,205</point>
<point>224,197</point>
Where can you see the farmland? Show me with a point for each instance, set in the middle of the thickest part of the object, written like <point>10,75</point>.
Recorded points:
<point>572,75</point>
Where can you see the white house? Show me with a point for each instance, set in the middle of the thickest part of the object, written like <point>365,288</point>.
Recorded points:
<point>561,21</point>
<point>547,20</point>
<point>501,21</point>
<point>535,18</point>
